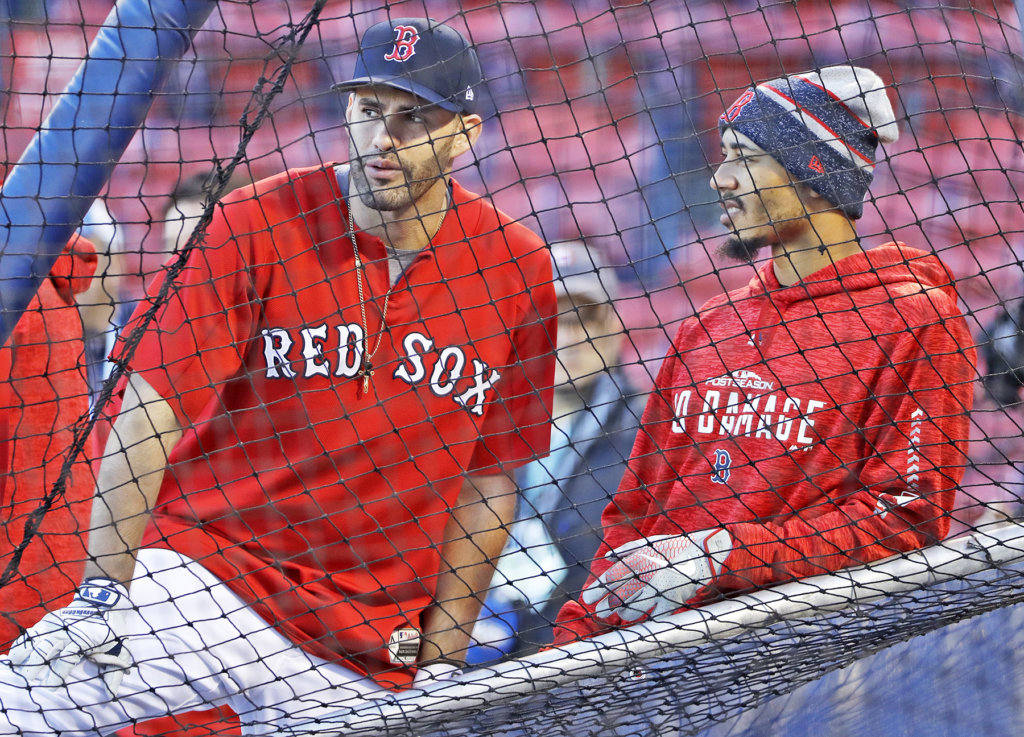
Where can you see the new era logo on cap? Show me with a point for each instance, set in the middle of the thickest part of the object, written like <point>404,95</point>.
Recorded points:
<point>422,56</point>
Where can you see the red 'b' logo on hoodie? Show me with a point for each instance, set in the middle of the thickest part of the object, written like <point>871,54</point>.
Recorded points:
<point>406,38</point>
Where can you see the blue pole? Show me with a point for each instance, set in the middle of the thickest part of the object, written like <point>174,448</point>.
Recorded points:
<point>71,157</point>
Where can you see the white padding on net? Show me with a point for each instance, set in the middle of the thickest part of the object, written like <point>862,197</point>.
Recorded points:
<point>441,708</point>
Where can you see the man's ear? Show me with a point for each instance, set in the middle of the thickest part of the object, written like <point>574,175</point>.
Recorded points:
<point>812,199</point>
<point>470,127</point>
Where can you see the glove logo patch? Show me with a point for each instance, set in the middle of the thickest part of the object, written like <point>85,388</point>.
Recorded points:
<point>722,466</point>
<point>98,595</point>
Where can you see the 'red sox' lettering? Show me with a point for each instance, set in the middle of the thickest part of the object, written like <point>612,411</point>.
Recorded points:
<point>448,371</point>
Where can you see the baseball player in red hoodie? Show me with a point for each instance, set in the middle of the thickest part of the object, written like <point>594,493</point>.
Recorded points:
<point>817,417</point>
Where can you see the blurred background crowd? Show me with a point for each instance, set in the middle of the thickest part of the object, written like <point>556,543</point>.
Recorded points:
<point>602,133</point>
<point>603,129</point>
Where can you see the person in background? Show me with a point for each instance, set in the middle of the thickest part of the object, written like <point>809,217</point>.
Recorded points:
<point>182,212</point>
<point>186,206</point>
<point>1003,353</point>
<point>99,304</point>
<point>992,490</point>
<point>814,419</point>
<point>596,415</point>
<point>44,393</point>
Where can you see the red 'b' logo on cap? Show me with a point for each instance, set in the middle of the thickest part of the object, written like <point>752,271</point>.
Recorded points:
<point>406,38</point>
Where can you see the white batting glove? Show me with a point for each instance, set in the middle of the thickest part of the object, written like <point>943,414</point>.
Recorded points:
<point>657,575</point>
<point>86,629</point>
<point>434,672</point>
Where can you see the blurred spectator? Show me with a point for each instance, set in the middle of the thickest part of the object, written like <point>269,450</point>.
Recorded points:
<point>188,200</point>
<point>182,213</point>
<point>992,489</point>
<point>1004,355</point>
<point>98,303</point>
<point>596,415</point>
<point>43,393</point>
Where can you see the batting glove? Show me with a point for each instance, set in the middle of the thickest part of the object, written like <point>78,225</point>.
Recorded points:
<point>657,575</point>
<point>87,629</point>
<point>434,672</point>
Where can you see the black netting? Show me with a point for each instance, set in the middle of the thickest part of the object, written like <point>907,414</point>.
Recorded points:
<point>358,386</point>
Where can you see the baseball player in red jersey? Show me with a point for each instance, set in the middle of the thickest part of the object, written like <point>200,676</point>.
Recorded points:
<point>813,419</point>
<point>310,471</point>
<point>43,393</point>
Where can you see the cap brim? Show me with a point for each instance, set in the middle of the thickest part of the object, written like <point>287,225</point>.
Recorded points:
<point>400,83</point>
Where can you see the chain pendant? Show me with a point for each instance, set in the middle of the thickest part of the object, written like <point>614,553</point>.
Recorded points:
<point>366,368</point>
<point>366,371</point>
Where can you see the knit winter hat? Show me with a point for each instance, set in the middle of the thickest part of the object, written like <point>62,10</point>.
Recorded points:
<point>822,126</point>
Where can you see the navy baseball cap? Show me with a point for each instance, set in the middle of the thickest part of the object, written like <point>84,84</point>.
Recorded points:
<point>421,56</point>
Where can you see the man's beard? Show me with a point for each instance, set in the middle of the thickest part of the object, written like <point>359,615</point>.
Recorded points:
<point>742,249</point>
<point>419,178</point>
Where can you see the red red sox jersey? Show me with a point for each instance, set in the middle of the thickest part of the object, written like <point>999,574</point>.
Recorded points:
<point>319,504</point>
<point>822,424</point>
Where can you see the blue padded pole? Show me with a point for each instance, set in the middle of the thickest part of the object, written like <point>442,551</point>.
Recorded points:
<point>71,158</point>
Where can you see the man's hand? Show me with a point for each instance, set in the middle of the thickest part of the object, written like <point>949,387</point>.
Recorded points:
<point>657,575</point>
<point>89,628</point>
<point>434,672</point>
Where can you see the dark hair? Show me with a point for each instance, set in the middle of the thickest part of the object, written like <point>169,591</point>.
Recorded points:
<point>199,184</point>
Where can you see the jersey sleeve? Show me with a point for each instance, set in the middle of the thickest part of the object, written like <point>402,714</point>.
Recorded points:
<point>903,491</point>
<point>517,426</point>
<point>196,341</point>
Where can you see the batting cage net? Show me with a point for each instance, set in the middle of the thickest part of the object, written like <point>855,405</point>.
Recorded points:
<point>511,368</point>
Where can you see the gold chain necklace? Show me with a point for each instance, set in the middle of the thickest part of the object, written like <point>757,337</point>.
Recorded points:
<point>366,363</point>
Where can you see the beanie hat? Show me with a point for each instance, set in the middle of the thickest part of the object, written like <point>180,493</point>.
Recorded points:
<point>822,126</point>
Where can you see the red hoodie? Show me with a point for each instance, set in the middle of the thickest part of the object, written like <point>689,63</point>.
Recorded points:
<point>43,392</point>
<point>823,424</point>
